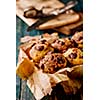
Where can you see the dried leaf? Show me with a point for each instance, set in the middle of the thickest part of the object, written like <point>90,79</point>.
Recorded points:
<point>25,68</point>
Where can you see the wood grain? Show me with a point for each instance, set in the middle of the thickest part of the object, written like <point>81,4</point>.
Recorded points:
<point>38,4</point>
<point>60,20</point>
<point>67,28</point>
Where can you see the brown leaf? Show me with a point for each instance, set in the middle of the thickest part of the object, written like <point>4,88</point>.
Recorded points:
<point>25,68</point>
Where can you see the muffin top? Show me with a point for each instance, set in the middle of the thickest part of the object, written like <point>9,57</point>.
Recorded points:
<point>53,62</point>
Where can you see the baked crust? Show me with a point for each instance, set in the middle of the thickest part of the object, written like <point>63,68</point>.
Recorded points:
<point>39,50</point>
<point>74,56</point>
<point>53,62</point>
<point>61,45</point>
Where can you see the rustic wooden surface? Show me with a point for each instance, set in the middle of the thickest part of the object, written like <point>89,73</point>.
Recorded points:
<point>22,91</point>
<point>22,4</point>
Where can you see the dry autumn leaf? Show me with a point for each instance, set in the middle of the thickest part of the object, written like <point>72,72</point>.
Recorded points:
<point>25,68</point>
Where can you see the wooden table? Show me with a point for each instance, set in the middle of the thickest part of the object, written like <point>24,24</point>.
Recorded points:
<point>22,91</point>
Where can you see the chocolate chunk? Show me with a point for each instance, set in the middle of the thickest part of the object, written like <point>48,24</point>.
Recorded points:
<point>42,66</point>
<point>52,57</point>
<point>37,65</point>
<point>33,44</point>
<point>60,60</point>
<point>54,60</point>
<point>81,56</point>
<point>58,41</point>
<point>43,41</point>
<point>80,38</point>
<point>62,43</point>
<point>56,68</point>
<point>39,48</point>
<point>73,55</point>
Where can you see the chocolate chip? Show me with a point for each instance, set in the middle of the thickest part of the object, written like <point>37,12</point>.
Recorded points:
<point>37,65</point>
<point>80,38</point>
<point>56,68</point>
<point>52,57</point>
<point>54,41</point>
<point>58,41</point>
<point>81,56</point>
<point>42,66</point>
<point>39,48</point>
<point>54,60</point>
<point>43,41</point>
<point>33,44</point>
<point>74,43</point>
<point>73,55</point>
<point>62,43</point>
<point>60,60</point>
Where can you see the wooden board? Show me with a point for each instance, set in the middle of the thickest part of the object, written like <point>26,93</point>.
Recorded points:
<point>67,28</point>
<point>60,20</point>
<point>38,4</point>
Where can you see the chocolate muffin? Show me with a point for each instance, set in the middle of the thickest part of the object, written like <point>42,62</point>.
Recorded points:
<point>53,62</point>
<point>74,56</point>
<point>78,39</point>
<point>62,44</point>
<point>39,50</point>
